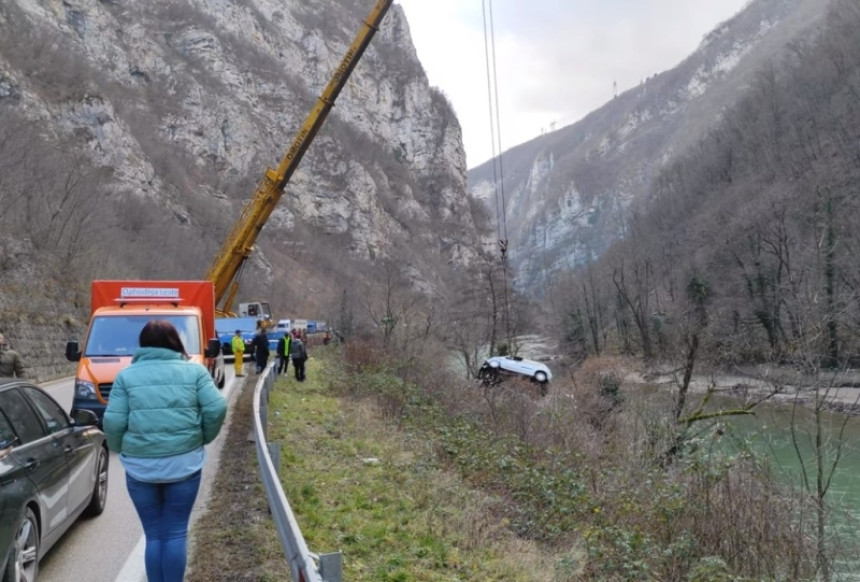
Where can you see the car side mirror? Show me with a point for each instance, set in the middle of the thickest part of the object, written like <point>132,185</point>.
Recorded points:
<point>214,348</point>
<point>73,351</point>
<point>83,417</point>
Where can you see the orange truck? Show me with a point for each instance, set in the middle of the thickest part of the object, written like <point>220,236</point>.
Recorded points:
<point>119,310</point>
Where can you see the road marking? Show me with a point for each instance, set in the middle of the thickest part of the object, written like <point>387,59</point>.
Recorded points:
<point>134,570</point>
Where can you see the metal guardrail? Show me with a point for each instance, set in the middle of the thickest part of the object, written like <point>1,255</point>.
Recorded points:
<point>305,566</point>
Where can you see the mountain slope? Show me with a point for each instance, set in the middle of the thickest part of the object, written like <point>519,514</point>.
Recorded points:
<point>132,134</point>
<point>188,102</point>
<point>567,193</point>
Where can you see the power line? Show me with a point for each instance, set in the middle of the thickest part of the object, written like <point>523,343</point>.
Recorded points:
<point>496,140</point>
<point>495,121</point>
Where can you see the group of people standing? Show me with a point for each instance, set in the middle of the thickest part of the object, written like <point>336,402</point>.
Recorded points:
<point>290,346</point>
<point>163,410</point>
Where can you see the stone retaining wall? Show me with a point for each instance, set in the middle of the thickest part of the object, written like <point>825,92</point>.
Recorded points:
<point>39,314</point>
<point>42,348</point>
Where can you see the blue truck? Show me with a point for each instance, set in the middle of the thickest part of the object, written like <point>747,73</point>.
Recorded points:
<point>226,327</point>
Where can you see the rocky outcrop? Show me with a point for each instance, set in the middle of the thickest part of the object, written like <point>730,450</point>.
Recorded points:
<point>187,102</point>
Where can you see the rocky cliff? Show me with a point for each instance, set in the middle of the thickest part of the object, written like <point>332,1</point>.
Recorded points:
<point>177,107</point>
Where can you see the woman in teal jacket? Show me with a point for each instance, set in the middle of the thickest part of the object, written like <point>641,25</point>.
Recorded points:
<point>162,410</point>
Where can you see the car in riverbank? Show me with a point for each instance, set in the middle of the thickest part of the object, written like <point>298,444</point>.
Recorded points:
<point>495,369</point>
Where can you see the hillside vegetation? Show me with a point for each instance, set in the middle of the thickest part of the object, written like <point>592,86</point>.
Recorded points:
<point>416,475</point>
<point>746,247</point>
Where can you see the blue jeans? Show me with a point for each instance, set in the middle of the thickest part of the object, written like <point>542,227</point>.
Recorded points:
<point>164,510</point>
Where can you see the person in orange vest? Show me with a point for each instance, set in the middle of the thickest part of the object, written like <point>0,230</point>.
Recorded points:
<point>238,345</point>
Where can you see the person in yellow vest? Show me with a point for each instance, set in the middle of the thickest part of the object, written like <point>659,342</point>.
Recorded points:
<point>238,345</point>
<point>284,353</point>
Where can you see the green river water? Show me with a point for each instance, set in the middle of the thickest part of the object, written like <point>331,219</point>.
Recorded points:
<point>771,431</point>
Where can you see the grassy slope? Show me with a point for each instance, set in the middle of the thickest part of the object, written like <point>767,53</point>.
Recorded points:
<point>361,486</point>
<point>356,485</point>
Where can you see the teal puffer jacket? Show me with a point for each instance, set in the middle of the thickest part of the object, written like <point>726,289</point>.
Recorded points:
<point>162,405</point>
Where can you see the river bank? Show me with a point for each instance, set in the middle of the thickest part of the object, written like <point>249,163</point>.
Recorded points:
<point>840,389</point>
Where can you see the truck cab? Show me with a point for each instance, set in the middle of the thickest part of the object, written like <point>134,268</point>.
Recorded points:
<point>120,309</point>
<point>259,310</point>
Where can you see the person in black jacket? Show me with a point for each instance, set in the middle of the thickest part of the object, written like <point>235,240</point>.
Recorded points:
<point>261,349</point>
<point>299,354</point>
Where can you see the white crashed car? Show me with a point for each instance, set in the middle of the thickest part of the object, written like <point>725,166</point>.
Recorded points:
<point>494,369</point>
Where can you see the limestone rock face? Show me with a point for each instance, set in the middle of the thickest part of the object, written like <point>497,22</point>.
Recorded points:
<point>187,102</point>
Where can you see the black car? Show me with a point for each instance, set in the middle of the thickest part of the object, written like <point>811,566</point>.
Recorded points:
<point>53,468</point>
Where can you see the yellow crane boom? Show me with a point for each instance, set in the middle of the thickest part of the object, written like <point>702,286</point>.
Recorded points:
<point>227,266</point>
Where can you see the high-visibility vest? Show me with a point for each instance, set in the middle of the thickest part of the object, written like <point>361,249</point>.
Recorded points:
<point>238,344</point>
<point>287,341</point>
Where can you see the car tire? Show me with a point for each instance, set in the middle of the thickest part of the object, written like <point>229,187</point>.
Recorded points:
<point>98,499</point>
<point>489,376</point>
<point>540,377</point>
<point>23,561</point>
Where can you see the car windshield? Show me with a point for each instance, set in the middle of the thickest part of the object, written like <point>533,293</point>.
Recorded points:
<point>118,335</point>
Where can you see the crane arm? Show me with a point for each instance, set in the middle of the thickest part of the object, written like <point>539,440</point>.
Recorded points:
<point>240,242</point>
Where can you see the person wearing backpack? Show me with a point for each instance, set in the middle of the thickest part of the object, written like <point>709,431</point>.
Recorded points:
<point>299,354</point>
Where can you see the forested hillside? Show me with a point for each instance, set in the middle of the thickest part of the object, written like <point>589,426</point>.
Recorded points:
<point>747,246</point>
<point>566,195</point>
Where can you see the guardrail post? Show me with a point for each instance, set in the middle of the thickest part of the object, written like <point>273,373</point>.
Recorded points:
<point>331,567</point>
<point>275,455</point>
<point>264,410</point>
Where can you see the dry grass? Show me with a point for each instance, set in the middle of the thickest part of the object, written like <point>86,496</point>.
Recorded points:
<point>235,539</point>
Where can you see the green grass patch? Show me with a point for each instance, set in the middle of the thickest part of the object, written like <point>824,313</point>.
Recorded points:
<point>382,495</point>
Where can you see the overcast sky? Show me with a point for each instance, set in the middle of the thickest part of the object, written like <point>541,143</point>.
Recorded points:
<point>556,60</point>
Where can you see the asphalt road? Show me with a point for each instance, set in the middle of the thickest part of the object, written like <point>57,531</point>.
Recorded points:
<point>109,548</point>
